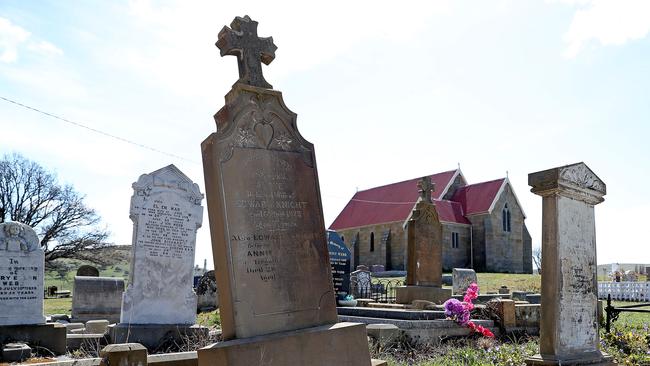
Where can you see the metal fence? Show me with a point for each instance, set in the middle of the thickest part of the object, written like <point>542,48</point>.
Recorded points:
<point>624,291</point>
<point>377,289</point>
<point>612,313</point>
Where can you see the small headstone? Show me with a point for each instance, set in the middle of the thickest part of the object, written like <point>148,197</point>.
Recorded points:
<point>377,268</point>
<point>51,291</point>
<point>21,275</point>
<point>340,262</point>
<point>447,279</point>
<point>207,293</point>
<point>166,212</point>
<point>360,283</point>
<point>534,298</point>
<point>96,326</point>
<point>462,278</point>
<point>97,298</point>
<point>504,290</point>
<point>87,270</point>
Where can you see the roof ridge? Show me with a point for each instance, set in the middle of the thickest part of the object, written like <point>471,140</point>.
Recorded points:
<point>485,182</point>
<point>406,180</point>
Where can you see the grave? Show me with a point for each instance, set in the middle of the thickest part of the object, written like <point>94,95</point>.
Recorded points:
<point>88,271</point>
<point>206,291</point>
<point>166,212</point>
<point>424,257</point>
<point>340,262</point>
<point>569,316</point>
<point>360,284</point>
<point>461,279</point>
<point>22,263</point>
<point>97,298</point>
<point>276,297</point>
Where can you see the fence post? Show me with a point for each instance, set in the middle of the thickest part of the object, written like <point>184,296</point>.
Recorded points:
<point>608,314</point>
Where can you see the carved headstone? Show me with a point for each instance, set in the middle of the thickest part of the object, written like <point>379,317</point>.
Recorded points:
<point>276,298</point>
<point>424,251</point>
<point>21,275</point>
<point>569,325</point>
<point>340,260</point>
<point>166,212</point>
<point>360,283</point>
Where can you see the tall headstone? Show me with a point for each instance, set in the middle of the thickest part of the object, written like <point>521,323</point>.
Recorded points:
<point>340,261</point>
<point>21,275</point>
<point>166,212</point>
<point>424,252</point>
<point>569,324</point>
<point>276,298</point>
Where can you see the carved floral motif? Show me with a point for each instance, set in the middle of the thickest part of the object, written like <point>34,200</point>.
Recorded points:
<point>583,177</point>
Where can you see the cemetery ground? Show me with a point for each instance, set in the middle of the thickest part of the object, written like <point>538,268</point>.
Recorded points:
<point>629,340</point>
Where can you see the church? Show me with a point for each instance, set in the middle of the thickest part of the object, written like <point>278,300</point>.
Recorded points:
<point>482,224</point>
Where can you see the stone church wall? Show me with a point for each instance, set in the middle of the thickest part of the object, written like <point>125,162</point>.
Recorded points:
<point>455,257</point>
<point>395,246</point>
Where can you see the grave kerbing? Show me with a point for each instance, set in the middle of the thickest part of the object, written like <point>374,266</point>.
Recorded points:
<point>276,297</point>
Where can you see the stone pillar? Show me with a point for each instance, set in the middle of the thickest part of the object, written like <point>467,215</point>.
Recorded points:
<point>569,324</point>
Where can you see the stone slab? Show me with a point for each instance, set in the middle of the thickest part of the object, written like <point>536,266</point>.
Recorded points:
<point>123,354</point>
<point>406,294</point>
<point>484,298</point>
<point>166,212</point>
<point>96,326</point>
<point>595,359</point>
<point>153,335</point>
<point>22,263</point>
<point>16,352</point>
<point>392,313</point>
<point>174,359</point>
<point>51,336</point>
<point>337,344</point>
<point>383,333</point>
<point>97,298</point>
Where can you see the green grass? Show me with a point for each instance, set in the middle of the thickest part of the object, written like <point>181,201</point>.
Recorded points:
<point>58,306</point>
<point>491,282</point>
<point>209,319</point>
<point>637,320</point>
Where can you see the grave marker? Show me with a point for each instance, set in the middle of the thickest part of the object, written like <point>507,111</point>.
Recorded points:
<point>340,261</point>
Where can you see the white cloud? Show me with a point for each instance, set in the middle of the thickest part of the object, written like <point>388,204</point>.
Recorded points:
<point>609,22</point>
<point>13,37</point>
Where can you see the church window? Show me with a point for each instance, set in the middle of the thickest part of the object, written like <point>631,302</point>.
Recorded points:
<point>505,218</point>
<point>372,242</point>
<point>454,240</point>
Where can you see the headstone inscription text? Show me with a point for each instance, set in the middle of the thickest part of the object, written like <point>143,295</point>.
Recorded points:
<point>340,261</point>
<point>22,261</point>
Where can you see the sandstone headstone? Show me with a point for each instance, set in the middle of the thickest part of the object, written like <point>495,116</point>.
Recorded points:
<point>569,325</point>
<point>424,252</point>
<point>462,278</point>
<point>166,212</point>
<point>87,270</point>
<point>276,297</point>
<point>21,275</point>
<point>340,261</point>
<point>97,298</point>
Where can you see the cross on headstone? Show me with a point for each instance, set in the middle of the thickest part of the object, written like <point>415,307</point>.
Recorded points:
<point>425,188</point>
<point>242,41</point>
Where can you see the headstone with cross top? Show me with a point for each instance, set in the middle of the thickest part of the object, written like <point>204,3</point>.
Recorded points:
<point>425,187</point>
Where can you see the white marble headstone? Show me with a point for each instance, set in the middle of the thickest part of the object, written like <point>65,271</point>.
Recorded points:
<point>166,212</point>
<point>21,275</point>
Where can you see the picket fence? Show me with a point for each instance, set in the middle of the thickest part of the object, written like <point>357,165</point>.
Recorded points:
<point>625,291</point>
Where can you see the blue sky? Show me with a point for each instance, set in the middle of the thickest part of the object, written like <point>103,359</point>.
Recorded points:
<point>386,91</point>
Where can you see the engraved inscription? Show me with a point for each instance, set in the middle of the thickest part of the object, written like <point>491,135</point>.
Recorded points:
<point>19,282</point>
<point>165,232</point>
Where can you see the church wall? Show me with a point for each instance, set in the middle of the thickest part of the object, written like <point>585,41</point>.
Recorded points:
<point>458,182</point>
<point>397,243</point>
<point>504,251</point>
<point>478,240</point>
<point>455,257</point>
<point>527,260</point>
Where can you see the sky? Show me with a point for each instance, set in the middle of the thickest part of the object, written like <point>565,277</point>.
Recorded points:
<point>386,91</point>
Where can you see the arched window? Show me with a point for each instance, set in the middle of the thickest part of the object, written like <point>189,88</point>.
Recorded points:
<point>505,218</point>
<point>372,242</point>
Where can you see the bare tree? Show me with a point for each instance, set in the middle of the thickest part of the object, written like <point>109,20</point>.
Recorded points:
<point>32,195</point>
<point>537,258</point>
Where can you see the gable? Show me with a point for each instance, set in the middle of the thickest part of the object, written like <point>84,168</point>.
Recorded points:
<point>478,198</point>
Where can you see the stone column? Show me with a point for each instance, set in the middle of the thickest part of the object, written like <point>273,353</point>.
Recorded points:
<point>569,324</point>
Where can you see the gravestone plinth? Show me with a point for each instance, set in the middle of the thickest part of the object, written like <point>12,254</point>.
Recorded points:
<point>276,297</point>
<point>166,212</point>
<point>569,318</point>
<point>424,252</point>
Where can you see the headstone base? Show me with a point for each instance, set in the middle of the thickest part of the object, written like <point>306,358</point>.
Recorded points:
<point>51,336</point>
<point>593,359</point>
<point>406,294</point>
<point>155,336</point>
<point>336,344</point>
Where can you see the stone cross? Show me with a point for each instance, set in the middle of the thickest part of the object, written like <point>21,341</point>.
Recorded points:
<point>425,188</point>
<point>242,41</point>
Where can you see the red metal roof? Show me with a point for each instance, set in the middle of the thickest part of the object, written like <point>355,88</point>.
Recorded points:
<point>477,198</point>
<point>394,202</point>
